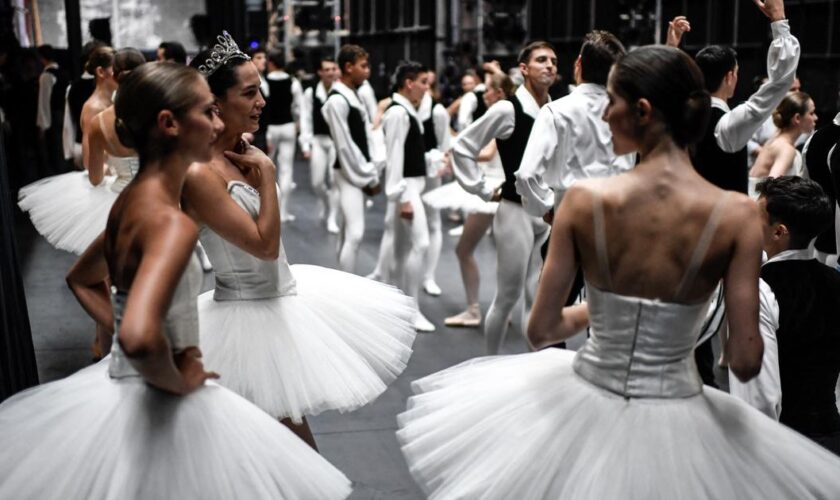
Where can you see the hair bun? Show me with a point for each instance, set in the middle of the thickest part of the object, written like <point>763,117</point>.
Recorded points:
<point>696,111</point>
<point>124,133</point>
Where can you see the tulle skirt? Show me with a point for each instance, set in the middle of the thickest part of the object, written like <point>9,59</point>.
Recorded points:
<point>528,427</point>
<point>90,437</point>
<point>336,345</point>
<point>67,209</point>
<point>451,196</point>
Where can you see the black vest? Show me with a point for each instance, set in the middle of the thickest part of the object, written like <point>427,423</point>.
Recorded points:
<point>319,125</point>
<point>724,170</point>
<point>430,141</point>
<point>279,101</point>
<point>414,161</point>
<point>356,124</point>
<point>816,160</point>
<point>480,106</point>
<point>512,149</point>
<point>80,91</point>
<point>808,294</point>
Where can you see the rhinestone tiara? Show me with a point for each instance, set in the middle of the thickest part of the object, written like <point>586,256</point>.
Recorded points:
<point>222,52</point>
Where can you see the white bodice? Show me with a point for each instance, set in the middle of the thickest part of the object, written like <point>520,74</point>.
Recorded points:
<point>125,169</point>
<point>180,324</point>
<point>240,275</point>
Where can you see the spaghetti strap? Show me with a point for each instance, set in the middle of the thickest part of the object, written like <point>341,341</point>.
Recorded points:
<point>702,247</point>
<point>601,240</point>
<point>108,138</point>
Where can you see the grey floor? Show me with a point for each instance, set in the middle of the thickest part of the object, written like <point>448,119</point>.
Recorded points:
<point>361,443</point>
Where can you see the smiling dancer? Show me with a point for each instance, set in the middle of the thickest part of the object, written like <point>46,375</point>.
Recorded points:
<point>145,423</point>
<point>518,235</point>
<point>295,340</point>
<point>350,129</point>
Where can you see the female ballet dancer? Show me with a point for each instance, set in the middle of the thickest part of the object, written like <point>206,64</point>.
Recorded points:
<point>627,416</point>
<point>793,117</point>
<point>480,213</point>
<point>295,340</point>
<point>70,210</point>
<point>143,423</point>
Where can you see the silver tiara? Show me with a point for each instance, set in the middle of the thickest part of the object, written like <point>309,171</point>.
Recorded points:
<point>222,52</point>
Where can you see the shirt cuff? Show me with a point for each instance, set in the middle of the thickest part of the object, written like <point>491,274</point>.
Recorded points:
<point>780,28</point>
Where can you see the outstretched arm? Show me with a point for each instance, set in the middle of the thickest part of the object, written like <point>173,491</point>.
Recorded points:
<point>676,29</point>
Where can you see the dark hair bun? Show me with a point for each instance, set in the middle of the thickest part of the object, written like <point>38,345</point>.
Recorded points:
<point>124,134</point>
<point>695,118</point>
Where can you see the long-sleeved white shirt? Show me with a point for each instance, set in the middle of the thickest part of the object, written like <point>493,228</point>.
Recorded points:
<point>46,82</point>
<point>738,125</point>
<point>297,90</point>
<point>497,123</point>
<point>469,103</point>
<point>569,141</point>
<point>306,104</point>
<point>368,97</point>
<point>358,170</point>
<point>440,118</point>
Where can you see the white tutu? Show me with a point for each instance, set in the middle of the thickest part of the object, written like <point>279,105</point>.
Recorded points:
<point>67,209</point>
<point>528,427</point>
<point>337,344</point>
<point>451,196</point>
<point>89,436</point>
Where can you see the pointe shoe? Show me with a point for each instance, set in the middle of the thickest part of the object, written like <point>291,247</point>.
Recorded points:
<point>456,231</point>
<point>471,318</point>
<point>332,227</point>
<point>431,288</point>
<point>421,324</point>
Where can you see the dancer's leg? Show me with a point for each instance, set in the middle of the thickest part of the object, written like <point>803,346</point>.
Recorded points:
<point>318,170</point>
<point>384,270</point>
<point>352,202</point>
<point>475,227</point>
<point>432,256</point>
<point>285,168</point>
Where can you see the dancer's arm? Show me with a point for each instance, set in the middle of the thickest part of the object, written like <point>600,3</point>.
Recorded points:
<point>784,158</point>
<point>166,245</point>
<point>306,127</point>
<point>440,118</point>
<point>744,346</point>
<point>735,128</point>
<point>677,27</point>
<point>395,125</point>
<point>550,324</point>
<point>87,280</point>
<point>358,170</point>
<point>93,151</point>
<point>497,123</point>
<point>208,200</point>
<point>466,108</point>
<point>542,151</point>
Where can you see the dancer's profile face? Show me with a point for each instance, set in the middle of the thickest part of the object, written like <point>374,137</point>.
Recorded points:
<point>619,115</point>
<point>809,120</point>
<point>243,103</point>
<point>201,124</point>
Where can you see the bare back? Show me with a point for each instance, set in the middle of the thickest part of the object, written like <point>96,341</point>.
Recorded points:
<point>776,157</point>
<point>95,104</point>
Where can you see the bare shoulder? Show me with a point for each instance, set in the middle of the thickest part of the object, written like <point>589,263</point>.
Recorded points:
<point>740,213</point>
<point>168,229</point>
<point>201,176</point>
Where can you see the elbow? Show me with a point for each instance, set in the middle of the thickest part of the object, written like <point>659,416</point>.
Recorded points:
<point>270,252</point>
<point>538,333</point>
<point>136,345</point>
<point>748,365</point>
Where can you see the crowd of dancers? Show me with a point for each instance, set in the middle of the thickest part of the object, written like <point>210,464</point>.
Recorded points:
<point>632,209</point>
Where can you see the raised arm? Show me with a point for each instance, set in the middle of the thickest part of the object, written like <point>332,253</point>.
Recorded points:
<point>359,171</point>
<point>497,123</point>
<point>207,199</point>
<point>541,151</point>
<point>744,346</point>
<point>165,249</point>
<point>549,323</point>
<point>677,27</point>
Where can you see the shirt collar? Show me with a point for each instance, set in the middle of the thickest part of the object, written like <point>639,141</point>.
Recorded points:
<point>590,89</point>
<point>719,103</point>
<point>426,105</point>
<point>321,90</point>
<point>798,254</point>
<point>401,100</point>
<point>837,120</point>
<point>479,88</point>
<point>347,92</point>
<point>529,104</point>
<point>278,75</point>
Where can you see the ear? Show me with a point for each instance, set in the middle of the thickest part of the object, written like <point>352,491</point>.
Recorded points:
<point>780,231</point>
<point>167,123</point>
<point>644,110</point>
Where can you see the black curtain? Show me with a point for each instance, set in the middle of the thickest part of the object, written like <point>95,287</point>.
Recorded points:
<point>17,356</point>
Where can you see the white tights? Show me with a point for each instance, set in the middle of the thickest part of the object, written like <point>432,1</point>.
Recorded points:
<point>281,143</point>
<point>430,261</point>
<point>352,206</point>
<point>518,237</point>
<point>323,174</point>
<point>411,240</point>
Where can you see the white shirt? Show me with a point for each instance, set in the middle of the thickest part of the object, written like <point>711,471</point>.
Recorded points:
<point>45,87</point>
<point>764,392</point>
<point>359,171</point>
<point>469,103</point>
<point>297,90</point>
<point>69,128</point>
<point>738,125</point>
<point>569,141</point>
<point>440,118</point>
<point>306,105</point>
<point>368,97</point>
<point>497,123</point>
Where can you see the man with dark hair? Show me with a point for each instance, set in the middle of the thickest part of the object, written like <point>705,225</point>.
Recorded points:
<point>52,86</point>
<point>316,144</point>
<point>518,234</point>
<point>78,92</point>
<point>408,166</point>
<point>351,131</point>
<point>282,107</point>
<point>173,52</point>
<point>806,296</point>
